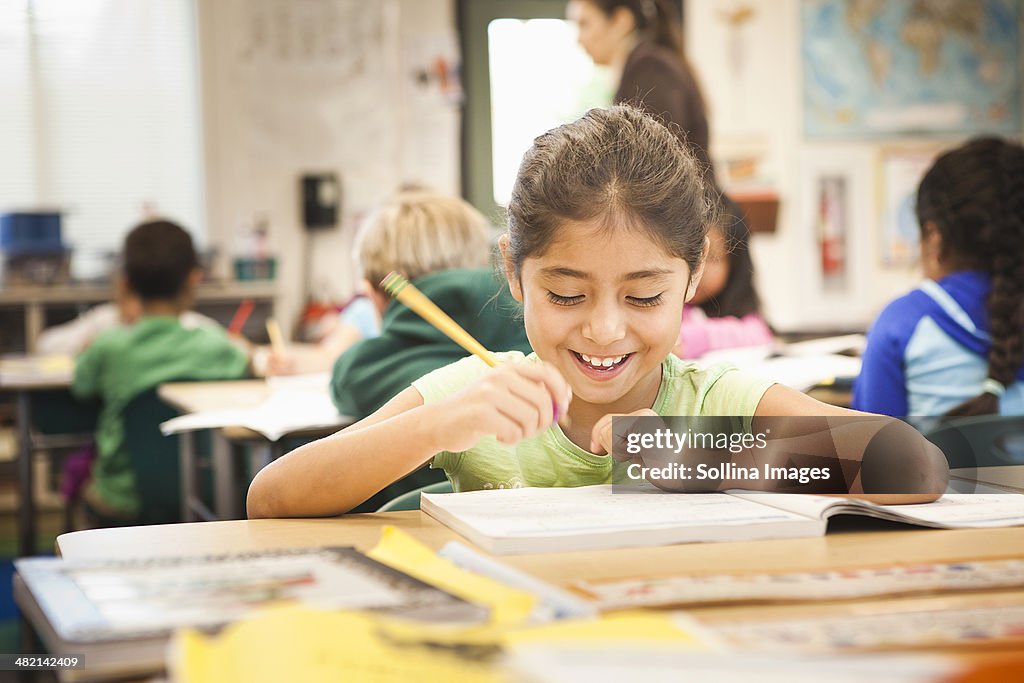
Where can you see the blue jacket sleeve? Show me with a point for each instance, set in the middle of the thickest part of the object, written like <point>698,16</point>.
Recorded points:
<point>881,386</point>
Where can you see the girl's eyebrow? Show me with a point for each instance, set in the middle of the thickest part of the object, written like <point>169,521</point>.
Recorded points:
<point>561,271</point>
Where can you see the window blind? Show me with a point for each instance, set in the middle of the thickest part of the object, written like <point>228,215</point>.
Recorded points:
<point>101,117</point>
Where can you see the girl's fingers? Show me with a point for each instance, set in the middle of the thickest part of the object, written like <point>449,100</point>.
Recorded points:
<point>601,436</point>
<point>538,395</point>
<point>521,415</point>
<point>546,374</point>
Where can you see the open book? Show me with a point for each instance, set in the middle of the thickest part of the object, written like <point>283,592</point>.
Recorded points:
<point>284,412</point>
<point>119,615</point>
<point>538,520</point>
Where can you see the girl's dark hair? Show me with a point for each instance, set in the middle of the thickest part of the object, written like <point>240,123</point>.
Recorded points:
<point>738,297</point>
<point>974,195</point>
<point>619,167</point>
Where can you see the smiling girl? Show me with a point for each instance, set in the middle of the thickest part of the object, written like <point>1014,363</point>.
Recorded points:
<point>605,243</point>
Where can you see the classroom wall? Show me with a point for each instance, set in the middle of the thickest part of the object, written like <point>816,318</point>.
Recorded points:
<point>295,87</point>
<point>747,56</point>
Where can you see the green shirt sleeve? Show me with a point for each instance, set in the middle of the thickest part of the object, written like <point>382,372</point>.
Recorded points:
<point>88,371</point>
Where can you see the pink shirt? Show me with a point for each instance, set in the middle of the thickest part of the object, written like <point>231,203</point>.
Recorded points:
<point>700,334</point>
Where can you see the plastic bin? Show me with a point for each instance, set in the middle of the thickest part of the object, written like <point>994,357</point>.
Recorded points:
<point>30,233</point>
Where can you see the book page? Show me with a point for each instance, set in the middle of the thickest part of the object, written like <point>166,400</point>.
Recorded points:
<point>965,509</point>
<point>951,510</point>
<point>597,509</point>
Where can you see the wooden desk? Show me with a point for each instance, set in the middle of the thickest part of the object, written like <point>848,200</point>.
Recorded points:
<point>833,551</point>
<point>193,397</point>
<point>1005,476</point>
<point>21,376</point>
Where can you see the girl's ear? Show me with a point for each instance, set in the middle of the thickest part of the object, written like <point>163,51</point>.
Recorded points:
<point>514,285</point>
<point>698,272</point>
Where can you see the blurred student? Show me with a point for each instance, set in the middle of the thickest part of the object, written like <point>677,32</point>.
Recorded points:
<point>955,345</point>
<point>443,246</point>
<point>161,269</point>
<point>642,42</point>
<point>725,311</point>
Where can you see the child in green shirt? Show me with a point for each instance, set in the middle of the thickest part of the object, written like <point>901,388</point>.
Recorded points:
<point>160,268</point>
<point>606,242</point>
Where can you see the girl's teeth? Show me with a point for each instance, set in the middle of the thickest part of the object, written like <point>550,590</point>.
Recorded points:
<point>601,362</point>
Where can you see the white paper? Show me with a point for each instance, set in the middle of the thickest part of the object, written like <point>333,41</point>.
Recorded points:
<point>284,412</point>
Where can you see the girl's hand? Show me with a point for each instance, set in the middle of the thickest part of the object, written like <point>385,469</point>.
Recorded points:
<point>601,438</point>
<point>511,403</point>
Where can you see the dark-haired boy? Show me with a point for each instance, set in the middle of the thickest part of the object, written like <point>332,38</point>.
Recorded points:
<point>161,269</point>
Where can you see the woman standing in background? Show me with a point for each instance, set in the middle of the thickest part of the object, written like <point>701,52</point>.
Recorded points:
<point>641,40</point>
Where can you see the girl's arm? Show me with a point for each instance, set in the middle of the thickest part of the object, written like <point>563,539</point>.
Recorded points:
<point>890,461</point>
<point>334,474</point>
<point>871,457</point>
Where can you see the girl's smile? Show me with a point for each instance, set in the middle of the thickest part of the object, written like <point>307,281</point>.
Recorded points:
<point>601,368</point>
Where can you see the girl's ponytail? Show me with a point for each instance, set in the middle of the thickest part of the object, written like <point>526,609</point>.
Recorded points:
<point>1006,299</point>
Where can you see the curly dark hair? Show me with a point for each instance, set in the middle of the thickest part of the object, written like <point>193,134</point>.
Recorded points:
<point>974,195</point>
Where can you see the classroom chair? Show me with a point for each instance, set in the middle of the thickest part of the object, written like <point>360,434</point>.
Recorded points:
<point>155,459</point>
<point>61,426</point>
<point>981,441</point>
<point>410,500</point>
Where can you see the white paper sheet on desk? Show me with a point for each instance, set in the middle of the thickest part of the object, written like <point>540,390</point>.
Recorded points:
<point>286,411</point>
<point>799,372</point>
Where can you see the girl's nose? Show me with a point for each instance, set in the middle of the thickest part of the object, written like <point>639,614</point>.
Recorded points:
<point>605,326</point>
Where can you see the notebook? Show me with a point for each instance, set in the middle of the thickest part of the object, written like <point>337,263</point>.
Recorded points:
<point>119,615</point>
<point>539,520</point>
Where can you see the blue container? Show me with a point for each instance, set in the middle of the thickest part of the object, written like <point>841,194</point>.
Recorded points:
<point>30,233</point>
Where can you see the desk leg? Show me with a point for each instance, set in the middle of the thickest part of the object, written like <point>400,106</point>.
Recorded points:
<point>225,482</point>
<point>26,502</point>
<point>186,463</point>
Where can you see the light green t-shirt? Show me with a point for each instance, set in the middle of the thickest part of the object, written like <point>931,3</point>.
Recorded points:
<point>123,363</point>
<point>550,458</point>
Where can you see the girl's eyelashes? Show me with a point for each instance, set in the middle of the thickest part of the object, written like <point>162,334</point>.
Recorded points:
<point>645,301</point>
<point>642,302</point>
<point>564,300</point>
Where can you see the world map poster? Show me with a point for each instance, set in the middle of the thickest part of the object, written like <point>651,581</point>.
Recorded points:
<point>875,68</point>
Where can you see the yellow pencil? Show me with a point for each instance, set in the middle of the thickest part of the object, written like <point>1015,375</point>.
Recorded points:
<point>403,290</point>
<point>276,338</point>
